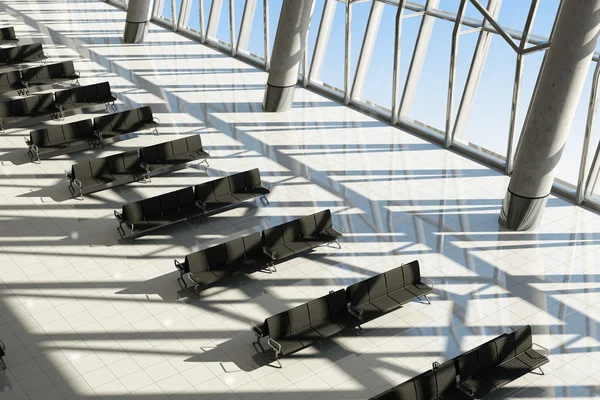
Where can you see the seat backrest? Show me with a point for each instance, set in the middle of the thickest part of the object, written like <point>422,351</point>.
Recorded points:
<point>253,244</point>
<point>337,301</point>
<point>394,279</point>
<point>98,167</point>
<point>39,137</point>
<point>4,57</point>
<point>118,121</point>
<point>46,103</point>
<point>102,123</point>
<point>204,192</point>
<point>405,391</point>
<point>237,184</point>
<point>81,171</point>
<point>5,109</point>
<point>523,339</point>
<point>290,231</point>
<point>217,257</point>
<point>358,293</point>
<point>4,79</point>
<point>149,154</point>
<point>8,33</point>
<point>299,318</point>
<point>377,287</point>
<point>32,105</point>
<point>411,272</point>
<point>252,178</point>
<point>68,69</point>
<point>323,220</point>
<point>131,119</point>
<point>221,187</point>
<point>103,89</point>
<point>70,131</point>
<point>90,93</point>
<point>85,127</point>
<point>133,212</point>
<point>235,250</point>
<point>487,356</point>
<point>307,226</point>
<point>197,262</point>
<point>273,237</point>
<point>194,143</point>
<point>505,347</point>
<point>185,198</point>
<point>55,134</point>
<point>18,107</point>
<point>131,160</point>
<point>145,114</point>
<point>151,207</point>
<point>467,365</point>
<point>179,147</point>
<point>35,50</point>
<point>14,54</point>
<point>62,97</point>
<point>425,385</point>
<point>318,310</point>
<point>55,71</point>
<point>13,77</point>
<point>164,151</point>
<point>168,202</point>
<point>115,164</point>
<point>387,395</point>
<point>77,95</point>
<point>278,325</point>
<point>445,377</point>
<point>29,74</point>
<point>41,73</point>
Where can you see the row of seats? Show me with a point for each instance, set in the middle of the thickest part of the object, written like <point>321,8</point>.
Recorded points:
<point>134,165</point>
<point>18,112</point>
<point>251,253</point>
<point>7,34</point>
<point>194,201</point>
<point>67,138</point>
<point>38,76</point>
<point>302,326</point>
<point>22,54</point>
<point>476,373</point>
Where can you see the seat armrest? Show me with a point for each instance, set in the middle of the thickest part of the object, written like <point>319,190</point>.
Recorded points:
<point>155,119</point>
<point>191,277</point>
<point>77,182</point>
<point>145,166</point>
<point>357,313</point>
<point>201,205</point>
<point>274,345</point>
<point>257,331</point>
<point>466,389</point>
<point>27,141</point>
<point>427,282</point>
<point>545,352</point>
<point>270,253</point>
<point>98,134</point>
<point>179,266</point>
<point>435,365</point>
<point>265,185</point>
<point>338,228</point>
<point>118,216</point>
<point>68,175</point>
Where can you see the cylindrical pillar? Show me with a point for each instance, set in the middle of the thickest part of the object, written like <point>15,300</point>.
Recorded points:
<point>288,50</point>
<point>551,112</point>
<point>139,14</point>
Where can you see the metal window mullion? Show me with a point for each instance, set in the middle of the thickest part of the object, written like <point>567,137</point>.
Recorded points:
<point>184,13</point>
<point>213,18</point>
<point>474,75</point>
<point>413,74</point>
<point>266,32</point>
<point>201,17</point>
<point>592,180</point>
<point>396,68</point>
<point>246,25</point>
<point>347,53</point>
<point>174,15</point>
<point>589,129</point>
<point>158,6</point>
<point>517,88</point>
<point>493,22</point>
<point>452,74</point>
<point>322,39</point>
<point>366,51</point>
<point>232,27</point>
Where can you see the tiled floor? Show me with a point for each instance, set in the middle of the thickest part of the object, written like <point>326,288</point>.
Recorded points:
<point>85,316</point>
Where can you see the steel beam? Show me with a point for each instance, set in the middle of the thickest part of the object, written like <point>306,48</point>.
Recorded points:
<point>322,39</point>
<point>232,27</point>
<point>213,18</point>
<point>396,68</point>
<point>589,129</point>
<point>266,32</point>
<point>347,53</point>
<point>246,25</point>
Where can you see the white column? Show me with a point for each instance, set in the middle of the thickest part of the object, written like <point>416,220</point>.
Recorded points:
<point>139,14</point>
<point>551,113</point>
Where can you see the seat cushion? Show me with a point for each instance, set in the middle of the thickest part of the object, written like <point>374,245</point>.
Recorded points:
<point>307,336</point>
<point>227,199</point>
<point>327,328</point>
<point>204,278</point>
<point>243,196</point>
<point>515,367</point>
<point>385,304</point>
<point>122,178</point>
<point>282,252</point>
<point>289,346</point>
<point>141,226</point>
<point>532,358</point>
<point>402,296</point>
<point>419,289</point>
<point>222,273</point>
<point>481,386</point>
<point>370,311</point>
<point>314,242</point>
<point>497,377</point>
<point>298,247</point>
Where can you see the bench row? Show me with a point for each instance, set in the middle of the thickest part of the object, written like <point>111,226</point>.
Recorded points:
<point>7,34</point>
<point>19,112</point>
<point>22,54</point>
<point>304,325</point>
<point>135,165</point>
<point>476,373</point>
<point>196,201</point>
<point>67,138</point>
<point>38,76</point>
<point>252,252</point>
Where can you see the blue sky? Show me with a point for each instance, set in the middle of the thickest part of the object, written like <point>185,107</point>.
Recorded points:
<point>489,118</point>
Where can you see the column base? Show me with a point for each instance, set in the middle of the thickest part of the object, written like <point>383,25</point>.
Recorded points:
<point>135,32</point>
<point>521,213</point>
<point>278,99</point>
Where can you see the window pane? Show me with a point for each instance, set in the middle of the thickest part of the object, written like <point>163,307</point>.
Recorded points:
<point>194,17</point>
<point>223,27</point>
<point>256,44</point>
<point>332,72</point>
